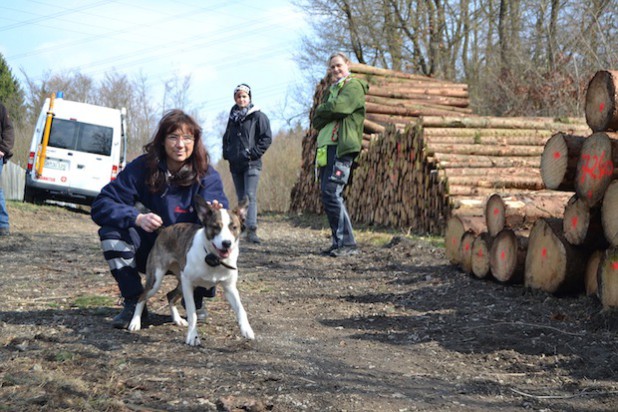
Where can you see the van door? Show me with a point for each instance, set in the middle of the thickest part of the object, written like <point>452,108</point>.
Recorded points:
<point>80,155</point>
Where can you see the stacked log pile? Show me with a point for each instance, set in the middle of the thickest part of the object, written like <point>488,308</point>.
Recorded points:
<point>587,166</point>
<point>568,252</point>
<point>494,243</point>
<point>417,172</point>
<point>394,101</point>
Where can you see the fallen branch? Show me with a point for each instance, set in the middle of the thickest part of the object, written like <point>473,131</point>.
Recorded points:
<point>584,392</point>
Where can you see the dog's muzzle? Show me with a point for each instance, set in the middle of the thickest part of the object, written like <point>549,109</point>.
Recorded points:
<point>225,251</point>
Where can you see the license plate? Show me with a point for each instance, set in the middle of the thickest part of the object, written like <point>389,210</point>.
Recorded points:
<point>56,164</point>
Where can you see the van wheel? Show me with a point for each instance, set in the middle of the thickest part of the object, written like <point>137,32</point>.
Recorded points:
<point>31,196</point>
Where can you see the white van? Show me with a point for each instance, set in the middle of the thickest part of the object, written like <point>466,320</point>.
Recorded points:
<point>76,149</point>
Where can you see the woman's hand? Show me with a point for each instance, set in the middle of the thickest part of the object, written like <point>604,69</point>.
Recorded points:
<point>215,204</point>
<point>149,222</point>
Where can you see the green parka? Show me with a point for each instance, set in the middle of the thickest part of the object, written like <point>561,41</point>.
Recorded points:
<point>347,108</point>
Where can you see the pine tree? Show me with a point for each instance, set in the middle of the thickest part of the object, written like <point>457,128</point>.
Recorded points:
<point>11,93</point>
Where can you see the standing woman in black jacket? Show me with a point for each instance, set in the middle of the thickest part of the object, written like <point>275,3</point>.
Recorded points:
<point>246,139</point>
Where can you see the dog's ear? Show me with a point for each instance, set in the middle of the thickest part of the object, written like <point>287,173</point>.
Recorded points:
<point>241,209</point>
<point>202,207</point>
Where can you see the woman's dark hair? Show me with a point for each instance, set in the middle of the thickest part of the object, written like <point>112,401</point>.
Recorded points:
<point>195,166</point>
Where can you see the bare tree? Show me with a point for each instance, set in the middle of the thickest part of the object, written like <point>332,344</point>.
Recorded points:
<point>519,57</point>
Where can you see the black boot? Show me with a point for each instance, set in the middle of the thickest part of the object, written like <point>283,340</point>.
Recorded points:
<point>123,319</point>
<point>252,235</point>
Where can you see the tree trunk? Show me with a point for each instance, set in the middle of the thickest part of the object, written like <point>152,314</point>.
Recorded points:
<point>507,256</point>
<point>595,168</point>
<point>519,212</point>
<point>552,263</point>
<point>451,91</point>
<point>373,127</point>
<point>582,225</point>
<point>592,268</point>
<point>494,137</point>
<point>559,161</point>
<point>458,160</point>
<point>609,213</point>
<point>500,123</point>
<point>411,104</point>
<point>465,251</point>
<point>363,68</point>
<point>456,226</point>
<point>484,150</point>
<point>495,214</point>
<point>480,255</point>
<point>601,106</point>
<point>608,279</point>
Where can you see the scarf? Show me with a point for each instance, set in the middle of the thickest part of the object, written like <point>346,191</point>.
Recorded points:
<point>238,114</point>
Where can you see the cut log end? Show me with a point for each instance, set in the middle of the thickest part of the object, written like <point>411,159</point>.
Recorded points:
<point>608,279</point>
<point>495,214</point>
<point>576,220</point>
<point>507,257</point>
<point>592,268</point>
<point>595,168</point>
<point>609,213</point>
<point>480,256</point>
<point>465,251</point>
<point>552,264</point>
<point>456,226</point>
<point>600,105</point>
<point>554,161</point>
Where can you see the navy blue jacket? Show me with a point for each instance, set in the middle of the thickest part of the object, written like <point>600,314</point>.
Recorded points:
<point>115,205</point>
<point>245,142</point>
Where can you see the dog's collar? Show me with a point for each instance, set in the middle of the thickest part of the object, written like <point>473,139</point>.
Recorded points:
<point>213,260</point>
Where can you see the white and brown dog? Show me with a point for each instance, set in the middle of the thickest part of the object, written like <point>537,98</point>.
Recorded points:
<point>198,255</point>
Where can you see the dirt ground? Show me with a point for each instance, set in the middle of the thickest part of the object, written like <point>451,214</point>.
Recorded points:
<point>394,329</point>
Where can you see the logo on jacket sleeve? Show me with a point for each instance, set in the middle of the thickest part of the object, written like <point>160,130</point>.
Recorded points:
<point>178,209</point>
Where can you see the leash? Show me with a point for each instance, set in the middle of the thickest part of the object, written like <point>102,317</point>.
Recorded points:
<point>213,260</point>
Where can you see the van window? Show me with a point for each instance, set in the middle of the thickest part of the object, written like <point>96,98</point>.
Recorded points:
<point>83,137</point>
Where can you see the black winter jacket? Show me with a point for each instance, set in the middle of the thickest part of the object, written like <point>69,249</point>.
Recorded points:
<point>246,141</point>
<point>7,134</point>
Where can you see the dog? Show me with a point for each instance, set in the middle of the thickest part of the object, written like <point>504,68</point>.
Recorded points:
<point>198,255</point>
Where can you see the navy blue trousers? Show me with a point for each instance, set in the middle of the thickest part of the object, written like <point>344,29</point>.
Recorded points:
<point>126,252</point>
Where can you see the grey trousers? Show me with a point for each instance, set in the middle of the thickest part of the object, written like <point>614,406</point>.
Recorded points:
<point>246,184</point>
<point>333,179</point>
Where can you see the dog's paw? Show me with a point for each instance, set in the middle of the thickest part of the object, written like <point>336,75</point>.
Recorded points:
<point>136,324</point>
<point>247,333</point>
<point>193,339</point>
<point>180,321</point>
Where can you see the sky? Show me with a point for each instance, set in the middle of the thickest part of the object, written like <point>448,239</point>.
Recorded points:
<point>219,43</point>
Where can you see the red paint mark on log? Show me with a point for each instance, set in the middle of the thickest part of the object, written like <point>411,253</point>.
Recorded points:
<point>598,169</point>
<point>615,265</point>
<point>503,255</point>
<point>544,252</point>
<point>467,247</point>
<point>557,155</point>
<point>496,211</point>
<point>601,106</point>
<point>480,253</point>
<point>574,221</point>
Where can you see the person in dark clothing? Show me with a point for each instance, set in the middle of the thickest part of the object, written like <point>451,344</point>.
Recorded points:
<point>153,191</point>
<point>7,139</point>
<point>339,121</point>
<point>246,139</point>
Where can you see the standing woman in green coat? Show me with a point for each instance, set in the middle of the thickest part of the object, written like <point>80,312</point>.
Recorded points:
<point>339,121</point>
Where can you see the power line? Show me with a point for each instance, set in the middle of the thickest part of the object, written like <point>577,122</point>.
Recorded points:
<point>54,15</point>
